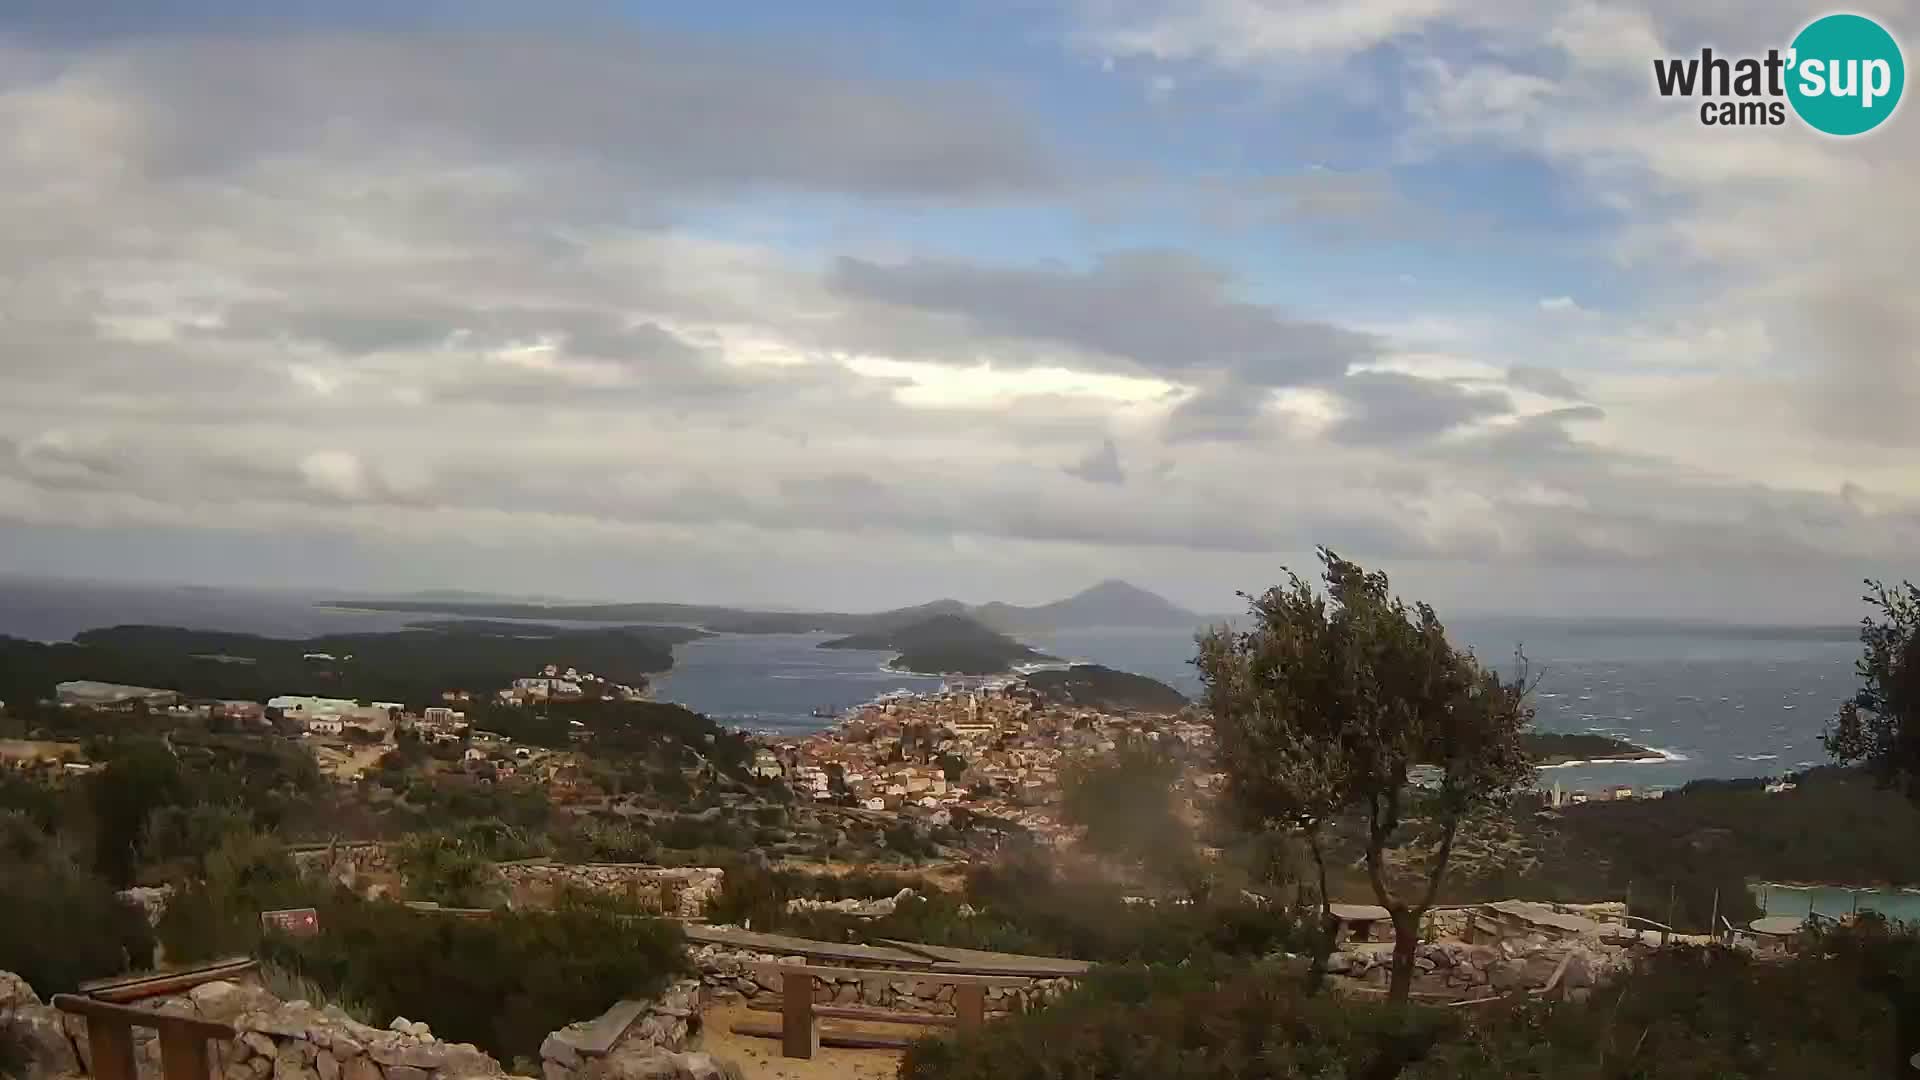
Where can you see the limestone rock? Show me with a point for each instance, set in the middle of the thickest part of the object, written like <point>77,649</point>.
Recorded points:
<point>558,1049</point>
<point>406,1072</point>
<point>360,1068</point>
<point>258,1043</point>
<point>35,1032</point>
<point>698,1067</point>
<point>402,1025</point>
<point>328,1066</point>
<point>637,1063</point>
<point>15,992</point>
<point>223,1002</point>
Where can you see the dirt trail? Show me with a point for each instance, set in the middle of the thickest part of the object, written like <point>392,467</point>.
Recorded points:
<point>759,1059</point>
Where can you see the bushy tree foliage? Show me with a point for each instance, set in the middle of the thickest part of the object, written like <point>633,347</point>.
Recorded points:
<point>60,923</point>
<point>1880,725</point>
<point>1328,704</point>
<point>1123,802</point>
<point>501,982</point>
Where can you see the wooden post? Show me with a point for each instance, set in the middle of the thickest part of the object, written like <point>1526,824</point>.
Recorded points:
<point>1673,896</point>
<point>111,1044</point>
<point>970,1007</point>
<point>183,1053</point>
<point>799,1034</point>
<point>1713,921</point>
<point>183,1039</point>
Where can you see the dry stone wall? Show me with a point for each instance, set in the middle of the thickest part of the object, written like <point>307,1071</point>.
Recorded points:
<point>295,1040</point>
<point>728,974</point>
<point>275,1040</point>
<point>684,890</point>
<point>630,1029</point>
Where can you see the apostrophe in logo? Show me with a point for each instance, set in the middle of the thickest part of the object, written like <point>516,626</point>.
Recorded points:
<point>1843,75</point>
<point>1846,74</point>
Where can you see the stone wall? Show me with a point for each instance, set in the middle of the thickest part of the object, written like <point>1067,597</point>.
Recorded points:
<point>683,890</point>
<point>150,899</point>
<point>728,974</point>
<point>628,1029</point>
<point>1456,970</point>
<point>295,1040</point>
<point>275,1040</point>
<point>346,863</point>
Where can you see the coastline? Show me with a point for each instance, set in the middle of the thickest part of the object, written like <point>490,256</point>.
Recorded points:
<point>1645,756</point>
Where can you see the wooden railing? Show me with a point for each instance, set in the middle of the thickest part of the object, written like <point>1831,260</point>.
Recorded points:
<point>183,1039</point>
<point>799,1031</point>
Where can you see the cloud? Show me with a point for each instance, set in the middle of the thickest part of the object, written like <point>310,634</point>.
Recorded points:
<point>1157,311</point>
<point>1543,381</point>
<point>1100,466</point>
<point>1385,407</point>
<point>478,315</point>
<point>1559,303</point>
<point>609,102</point>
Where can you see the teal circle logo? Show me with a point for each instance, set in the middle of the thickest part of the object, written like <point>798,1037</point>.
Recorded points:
<point>1845,74</point>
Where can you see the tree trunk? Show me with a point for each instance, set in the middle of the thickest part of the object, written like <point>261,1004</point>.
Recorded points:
<point>1323,942</point>
<point>1406,938</point>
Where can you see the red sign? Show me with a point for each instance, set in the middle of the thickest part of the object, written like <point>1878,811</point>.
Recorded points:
<point>298,922</point>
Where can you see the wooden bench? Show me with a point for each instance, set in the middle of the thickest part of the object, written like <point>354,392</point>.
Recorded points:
<point>799,1032</point>
<point>183,1039</point>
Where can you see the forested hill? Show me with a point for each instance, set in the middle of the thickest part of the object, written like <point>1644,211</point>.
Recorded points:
<point>1096,687</point>
<point>724,620</point>
<point>411,666</point>
<point>945,645</point>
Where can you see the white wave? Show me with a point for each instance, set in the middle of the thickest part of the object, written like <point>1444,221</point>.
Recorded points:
<point>1666,757</point>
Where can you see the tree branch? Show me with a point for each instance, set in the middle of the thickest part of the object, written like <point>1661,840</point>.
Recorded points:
<point>1439,868</point>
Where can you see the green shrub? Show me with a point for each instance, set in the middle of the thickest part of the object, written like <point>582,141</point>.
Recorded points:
<point>502,982</point>
<point>1158,1024</point>
<point>448,870</point>
<point>217,912</point>
<point>61,924</point>
<point>1685,1014</point>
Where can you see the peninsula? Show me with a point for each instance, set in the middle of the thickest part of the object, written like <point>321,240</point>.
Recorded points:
<point>945,645</point>
<point>1550,748</point>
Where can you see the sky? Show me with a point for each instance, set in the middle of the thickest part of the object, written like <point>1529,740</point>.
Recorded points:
<point>859,304</point>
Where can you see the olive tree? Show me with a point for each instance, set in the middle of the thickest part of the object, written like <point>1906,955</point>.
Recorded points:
<point>1325,708</point>
<point>1880,725</point>
<point>1880,728</point>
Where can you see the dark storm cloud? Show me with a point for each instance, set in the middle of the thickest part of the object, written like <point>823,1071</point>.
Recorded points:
<point>1544,381</point>
<point>1100,466</point>
<point>1167,313</point>
<point>1390,408</point>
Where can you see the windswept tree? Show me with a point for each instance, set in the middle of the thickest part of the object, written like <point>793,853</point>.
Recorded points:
<point>1880,728</point>
<point>1327,708</point>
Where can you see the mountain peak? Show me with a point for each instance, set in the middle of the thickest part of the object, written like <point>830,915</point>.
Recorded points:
<point>1117,589</point>
<point>1111,603</point>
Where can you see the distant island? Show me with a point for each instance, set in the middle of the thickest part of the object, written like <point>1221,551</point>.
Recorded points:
<point>945,645</point>
<point>1096,687</point>
<point>411,666</point>
<point>1559,748</point>
<point>1108,604</point>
